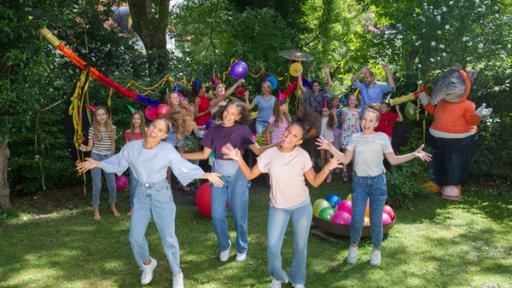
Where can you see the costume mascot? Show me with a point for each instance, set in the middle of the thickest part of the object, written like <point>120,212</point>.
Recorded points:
<point>453,130</point>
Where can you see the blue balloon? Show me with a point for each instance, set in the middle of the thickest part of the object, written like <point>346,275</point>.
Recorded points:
<point>333,199</point>
<point>272,80</point>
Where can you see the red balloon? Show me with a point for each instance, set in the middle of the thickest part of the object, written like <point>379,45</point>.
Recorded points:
<point>204,200</point>
<point>163,109</point>
<point>388,210</point>
<point>150,113</point>
<point>240,92</point>
<point>121,182</point>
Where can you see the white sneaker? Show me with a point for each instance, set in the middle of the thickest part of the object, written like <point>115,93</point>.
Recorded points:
<point>352,255</point>
<point>147,272</point>
<point>224,255</point>
<point>299,286</point>
<point>177,281</point>
<point>375,259</point>
<point>275,283</point>
<point>240,257</point>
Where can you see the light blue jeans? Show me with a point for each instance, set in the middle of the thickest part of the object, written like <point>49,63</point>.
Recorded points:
<point>236,190</point>
<point>373,187</point>
<point>154,201</point>
<point>133,187</point>
<point>261,126</point>
<point>276,228</point>
<point>96,181</point>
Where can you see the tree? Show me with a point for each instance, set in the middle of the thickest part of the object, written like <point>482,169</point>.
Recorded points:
<point>150,22</point>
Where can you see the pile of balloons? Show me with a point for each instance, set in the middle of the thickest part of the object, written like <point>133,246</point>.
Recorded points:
<point>333,209</point>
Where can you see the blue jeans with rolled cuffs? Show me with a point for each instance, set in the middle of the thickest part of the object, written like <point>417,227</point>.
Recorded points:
<point>154,201</point>
<point>236,191</point>
<point>261,126</point>
<point>364,187</point>
<point>276,228</point>
<point>110,178</point>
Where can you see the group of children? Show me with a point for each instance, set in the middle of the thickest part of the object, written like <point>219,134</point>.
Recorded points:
<point>151,152</point>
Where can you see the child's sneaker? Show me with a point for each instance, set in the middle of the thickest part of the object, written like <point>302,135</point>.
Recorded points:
<point>352,255</point>
<point>224,255</point>
<point>275,283</point>
<point>177,281</point>
<point>375,259</point>
<point>147,272</point>
<point>240,257</point>
<point>299,286</point>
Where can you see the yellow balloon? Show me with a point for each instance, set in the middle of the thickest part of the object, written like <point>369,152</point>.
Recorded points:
<point>349,198</point>
<point>295,69</point>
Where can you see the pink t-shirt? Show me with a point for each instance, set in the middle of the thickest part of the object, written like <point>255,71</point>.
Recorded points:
<point>277,133</point>
<point>128,136</point>
<point>287,182</point>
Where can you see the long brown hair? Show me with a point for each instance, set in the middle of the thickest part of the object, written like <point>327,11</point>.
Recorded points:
<point>142,127</point>
<point>96,125</point>
<point>245,115</point>
<point>180,121</point>
<point>278,115</point>
<point>331,122</point>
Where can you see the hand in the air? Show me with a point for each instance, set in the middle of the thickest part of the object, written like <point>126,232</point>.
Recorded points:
<point>424,99</point>
<point>482,111</point>
<point>334,163</point>
<point>89,164</point>
<point>230,152</point>
<point>419,153</point>
<point>323,144</point>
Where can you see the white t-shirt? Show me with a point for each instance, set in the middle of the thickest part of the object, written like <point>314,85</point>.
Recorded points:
<point>369,152</point>
<point>287,182</point>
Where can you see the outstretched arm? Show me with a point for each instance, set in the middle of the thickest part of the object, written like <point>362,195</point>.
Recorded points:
<point>419,153</point>
<point>316,179</point>
<point>358,74</point>
<point>389,75</point>
<point>230,152</point>
<point>344,158</point>
<point>197,155</point>
<point>257,149</point>
<point>214,102</point>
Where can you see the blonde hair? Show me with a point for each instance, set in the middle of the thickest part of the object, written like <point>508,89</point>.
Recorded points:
<point>181,104</point>
<point>142,125</point>
<point>180,121</point>
<point>374,108</point>
<point>97,125</point>
<point>269,86</point>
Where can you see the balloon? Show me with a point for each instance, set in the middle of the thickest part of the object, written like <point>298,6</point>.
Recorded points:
<point>151,113</point>
<point>121,182</point>
<point>273,81</point>
<point>386,219</point>
<point>389,211</point>
<point>326,213</point>
<point>240,92</point>
<point>295,69</point>
<point>349,197</point>
<point>319,205</point>
<point>410,111</point>
<point>333,199</point>
<point>238,70</point>
<point>162,110</point>
<point>204,200</point>
<point>346,206</point>
<point>341,217</point>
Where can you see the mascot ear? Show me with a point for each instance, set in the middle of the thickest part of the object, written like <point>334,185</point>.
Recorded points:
<point>472,74</point>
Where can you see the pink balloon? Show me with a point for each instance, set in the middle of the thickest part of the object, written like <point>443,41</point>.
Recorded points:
<point>346,206</point>
<point>386,219</point>
<point>151,113</point>
<point>341,217</point>
<point>388,210</point>
<point>163,109</point>
<point>121,182</point>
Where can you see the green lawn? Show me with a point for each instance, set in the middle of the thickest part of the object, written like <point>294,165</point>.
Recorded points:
<point>52,241</point>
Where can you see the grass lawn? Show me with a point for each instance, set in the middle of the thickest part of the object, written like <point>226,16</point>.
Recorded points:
<point>51,240</point>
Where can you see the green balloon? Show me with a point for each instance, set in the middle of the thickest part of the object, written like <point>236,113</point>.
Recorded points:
<point>410,111</point>
<point>326,213</point>
<point>319,205</point>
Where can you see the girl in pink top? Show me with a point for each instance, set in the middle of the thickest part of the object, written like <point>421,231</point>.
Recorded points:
<point>137,131</point>
<point>278,122</point>
<point>288,166</point>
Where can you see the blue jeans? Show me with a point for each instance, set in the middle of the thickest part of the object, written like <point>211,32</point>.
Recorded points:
<point>96,181</point>
<point>261,126</point>
<point>154,201</point>
<point>133,187</point>
<point>276,229</point>
<point>362,188</point>
<point>236,190</point>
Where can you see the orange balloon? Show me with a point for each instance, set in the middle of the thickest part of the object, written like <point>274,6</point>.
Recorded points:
<point>367,211</point>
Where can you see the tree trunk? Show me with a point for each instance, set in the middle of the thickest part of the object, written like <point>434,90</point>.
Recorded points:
<point>151,26</point>
<point>5,203</point>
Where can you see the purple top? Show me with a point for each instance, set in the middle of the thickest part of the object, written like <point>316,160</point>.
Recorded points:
<point>238,135</point>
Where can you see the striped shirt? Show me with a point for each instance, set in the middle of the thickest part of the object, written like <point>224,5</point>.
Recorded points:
<point>103,146</point>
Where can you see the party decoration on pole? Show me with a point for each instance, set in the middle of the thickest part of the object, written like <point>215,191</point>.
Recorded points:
<point>92,108</point>
<point>409,97</point>
<point>295,69</point>
<point>238,70</point>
